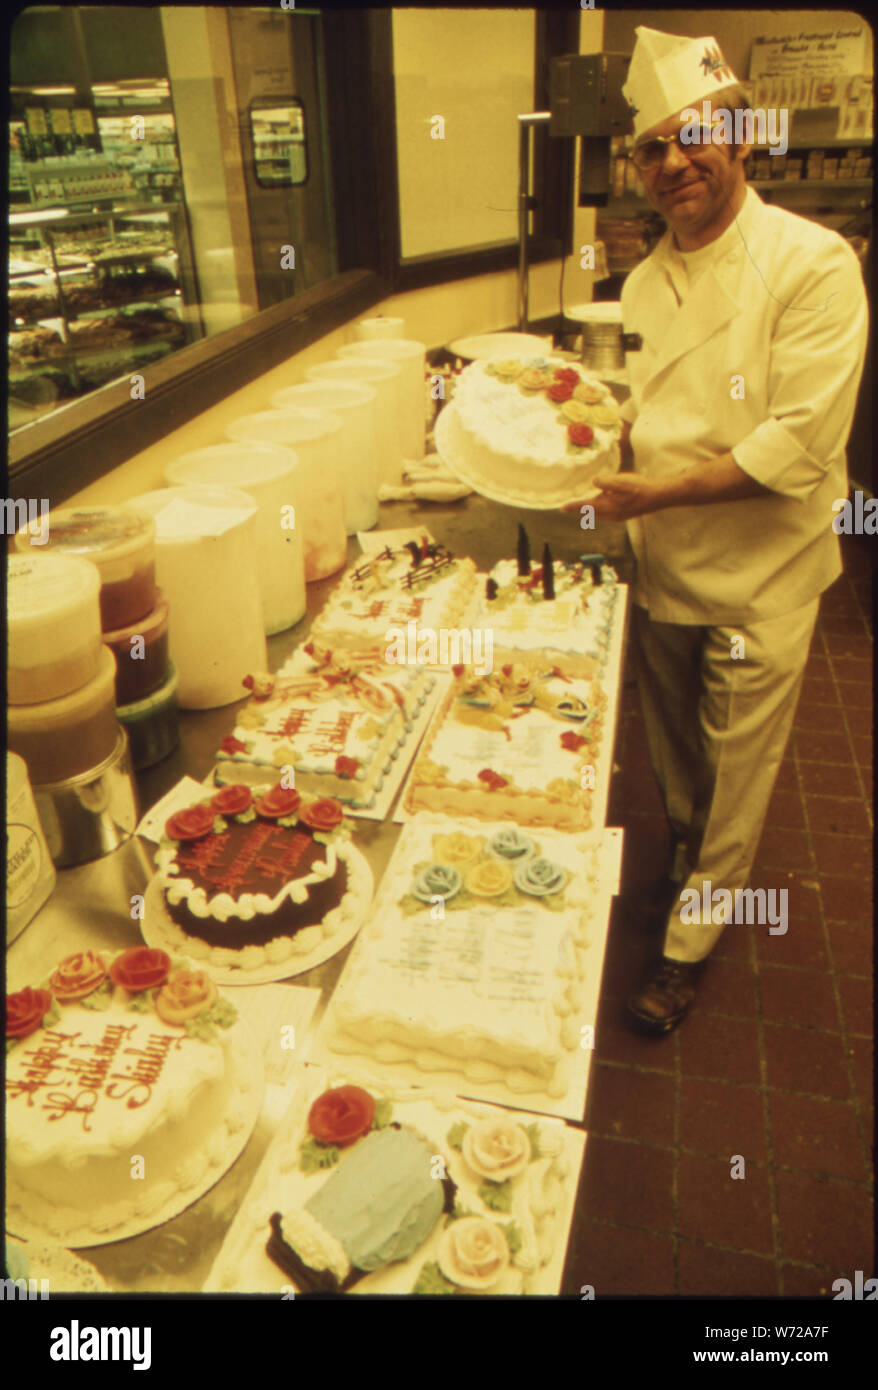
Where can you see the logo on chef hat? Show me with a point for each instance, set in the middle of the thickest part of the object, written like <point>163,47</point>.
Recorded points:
<point>712,61</point>
<point>670,73</point>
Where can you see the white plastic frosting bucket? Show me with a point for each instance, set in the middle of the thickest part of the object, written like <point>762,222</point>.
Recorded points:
<point>379,327</point>
<point>315,436</point>
<point>412,359</point>
<point>268,474</point>
<point>387,379</point>
<point>355,404</point>
<point>206,564</point>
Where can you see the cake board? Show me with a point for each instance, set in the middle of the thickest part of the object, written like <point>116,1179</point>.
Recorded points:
<point>242,1264</point>
<point>31,1218</point>
<point>159,930</point>
<point>571,1105</point>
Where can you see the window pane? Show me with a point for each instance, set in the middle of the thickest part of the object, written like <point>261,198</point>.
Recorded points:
<point>462,77</point>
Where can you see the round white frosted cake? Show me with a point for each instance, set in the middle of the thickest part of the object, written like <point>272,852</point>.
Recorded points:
<point>108,1059</point>
<point>530,430</point>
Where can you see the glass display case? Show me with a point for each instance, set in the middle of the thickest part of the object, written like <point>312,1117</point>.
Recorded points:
<point>93,296</point>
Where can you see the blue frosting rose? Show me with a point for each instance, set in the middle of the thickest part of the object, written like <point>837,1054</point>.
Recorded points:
<point>436,881</point>
<point>540,877</point>
<point>512,844</point>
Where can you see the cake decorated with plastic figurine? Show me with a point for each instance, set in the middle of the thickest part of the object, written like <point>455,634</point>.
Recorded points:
<point>418,582</point>
<point>556,605</point>
<point>520,741</point>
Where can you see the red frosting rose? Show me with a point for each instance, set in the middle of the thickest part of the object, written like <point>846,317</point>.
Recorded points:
<point>232,745</point>
<point>192,824</point>
<point>493,779</point>
<point>279,802</point>
<point>342,1115</point>
<point>580,435</point>
<point>559,391</point>
<point>572,741</point>
<point>346,767</point>
<point>25,1011</point>
<point>325,814</point>
<point>457,669</point>
<point>231,801</point>
<point>141,967</point>
<point>567,374</point>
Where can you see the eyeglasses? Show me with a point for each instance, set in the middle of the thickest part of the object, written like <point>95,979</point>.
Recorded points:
<point>651,153</point>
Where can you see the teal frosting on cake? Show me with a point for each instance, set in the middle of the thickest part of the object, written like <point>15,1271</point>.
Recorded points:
<point>381,1203</point>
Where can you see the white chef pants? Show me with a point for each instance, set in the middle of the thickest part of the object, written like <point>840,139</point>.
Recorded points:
<point>717,726</point>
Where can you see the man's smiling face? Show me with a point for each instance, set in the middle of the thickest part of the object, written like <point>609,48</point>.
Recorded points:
<point>698,188</point>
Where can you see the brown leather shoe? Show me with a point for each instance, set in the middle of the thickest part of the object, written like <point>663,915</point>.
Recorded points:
<point>666,997</point>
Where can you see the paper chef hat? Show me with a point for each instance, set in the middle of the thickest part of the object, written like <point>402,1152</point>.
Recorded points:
<point>669,72</point>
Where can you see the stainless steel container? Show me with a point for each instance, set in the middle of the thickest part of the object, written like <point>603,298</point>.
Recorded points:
<point>89,816</point>
<point>602,337</point>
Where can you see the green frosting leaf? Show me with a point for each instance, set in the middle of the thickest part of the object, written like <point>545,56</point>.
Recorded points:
<point>140,1003</point>
<point>533,1134</point>
<point>456,1133</point>
<point>288,821</point>
<point>497,1195</point>
<point>11,1043</point>
<point>431,1280</point>
<point>219,826</point>
<point>314,1156</point>
<point>383,1113</point>
<point>100,998</point>
<point>180,963</point>
<point>52,1015</point>
<point>222,1014</point>
<point>459,1212</point>
<point>514,1238</point>
<point>244,817</point>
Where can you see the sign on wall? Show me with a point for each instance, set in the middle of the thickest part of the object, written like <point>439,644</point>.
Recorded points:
<point>826,52</point>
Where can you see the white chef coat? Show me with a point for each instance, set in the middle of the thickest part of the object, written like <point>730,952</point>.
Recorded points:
<point>781,304</point>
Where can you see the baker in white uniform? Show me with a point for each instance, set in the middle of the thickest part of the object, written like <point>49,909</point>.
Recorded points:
<point>752,325</point>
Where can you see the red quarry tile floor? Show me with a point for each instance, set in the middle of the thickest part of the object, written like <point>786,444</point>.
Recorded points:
<point>772,1073</point>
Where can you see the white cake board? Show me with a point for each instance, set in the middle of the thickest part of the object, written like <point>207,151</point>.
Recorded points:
<point>571,1105</point>
<point>451,448</point>
<point>31,1219</point>
<point>159,930</point>
<point>242,1265</point>
<point>610,681</point>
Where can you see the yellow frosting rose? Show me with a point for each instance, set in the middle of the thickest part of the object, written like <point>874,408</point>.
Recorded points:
<point>508,368</point>
<point>488,880</point>
<point>589,395</point>
<point>606,417</point>
<point>575,412</point>
<point>456,849</point>
<point>534,379</point>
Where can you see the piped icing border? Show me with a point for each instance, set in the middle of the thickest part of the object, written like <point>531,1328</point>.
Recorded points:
<point>281,805</point>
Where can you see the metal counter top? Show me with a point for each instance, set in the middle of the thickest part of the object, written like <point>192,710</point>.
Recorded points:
<point>90,906</point>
